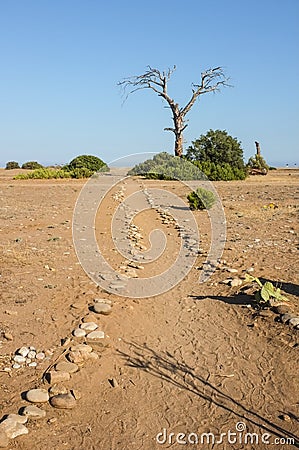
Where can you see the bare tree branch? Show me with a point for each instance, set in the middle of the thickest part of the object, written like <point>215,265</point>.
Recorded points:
<point>211,81</point>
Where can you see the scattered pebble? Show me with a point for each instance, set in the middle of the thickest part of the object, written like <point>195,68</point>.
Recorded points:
<point>19,359</point>
<point>12,428</point>
<point>294,322</point>
<point>285,318</point>
<point>8,336</point>
<point>37,396</point>
<point>235,282</point>
<point>66,366</point>
<point>57,376</point>
<point>63,401</point>
<point>102,308</point>
<point>78,332</point>
<point>88,326</point>
<point>96,335</point>
<point>33,412</point>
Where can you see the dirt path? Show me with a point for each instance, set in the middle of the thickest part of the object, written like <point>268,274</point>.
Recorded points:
<point>195,360</point>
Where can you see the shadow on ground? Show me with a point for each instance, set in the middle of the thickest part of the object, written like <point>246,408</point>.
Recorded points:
<point>165,366</point>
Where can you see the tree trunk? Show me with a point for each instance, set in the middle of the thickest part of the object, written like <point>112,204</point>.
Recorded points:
<point>258,148</point>
<point>178,145</point>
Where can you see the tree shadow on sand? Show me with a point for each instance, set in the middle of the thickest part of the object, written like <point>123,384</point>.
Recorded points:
<point>165,366</point>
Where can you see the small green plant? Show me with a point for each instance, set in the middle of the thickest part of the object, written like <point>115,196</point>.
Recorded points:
<point>47,174</point>
<point>201,199</point>
<point>267,295</point>
<point>32,165</point>
<point>12,165</point>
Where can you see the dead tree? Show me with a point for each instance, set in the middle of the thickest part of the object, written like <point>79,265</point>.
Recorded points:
<point>210,81</point>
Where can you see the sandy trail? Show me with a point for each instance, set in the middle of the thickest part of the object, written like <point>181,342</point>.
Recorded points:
<point>193,360</point>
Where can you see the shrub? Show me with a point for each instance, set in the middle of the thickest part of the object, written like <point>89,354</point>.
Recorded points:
<point>257,163</point>
<point>47,174</point>
<point>164,166</point>
<point>201,199</point>
<point>216,172</point>
<point>90,162</point>
<point>32,165</point>
<point>12,165</point>
<point>217,147</point>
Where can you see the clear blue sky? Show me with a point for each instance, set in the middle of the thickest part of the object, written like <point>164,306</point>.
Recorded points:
<point>61,61</point>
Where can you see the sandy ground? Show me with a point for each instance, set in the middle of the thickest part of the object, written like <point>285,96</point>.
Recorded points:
<point>196,359</point>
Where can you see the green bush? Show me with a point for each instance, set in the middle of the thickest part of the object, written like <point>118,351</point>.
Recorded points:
<point>216,172</point>
<point>218,147</point>
<point>12,165</point>
<point>164,166</point>
<point>257,162</point>
<point>201,199</point>
<point>31,165</point>
<point>90,162</point>
<point>47,174</point>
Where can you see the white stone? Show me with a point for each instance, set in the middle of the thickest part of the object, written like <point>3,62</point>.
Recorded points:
<point>34,412</point>
<point>19,359</point>
<point>96,335</point>
<point>88,326</point>
<point>32,364</point>
<point>78,332</point>
<point>16,366</point>
<point>12,429</point>
<point>23,351</point>
<point>40,356</point>
<point>37,396</point>
<point>31,354</point>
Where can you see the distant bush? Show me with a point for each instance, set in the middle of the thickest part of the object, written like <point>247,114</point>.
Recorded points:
<point>90,162</point>
<point>272,168</point>
<point>12,165</point>
<point>31,165</point>
<point>201,199</point>
<point>257,163</point>
<point>47,174</point>
<point>216,172</point>
<point>164,166</point>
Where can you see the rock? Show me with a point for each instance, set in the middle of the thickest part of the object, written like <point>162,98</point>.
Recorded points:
<point>33,412</point>
<point>58,389</point>
<point>66,366</point>
<point>19,359</point>
<point>102,308</point>
<point>113,382</point>
<point>23,351</point>
<point>63,401</point>
<point>235,282</point>
<point>96,335</point>
<point>57,377</point>
<point>294,322</point>
<point>4,441</point>
<point>226,281</point>
<point>78,332</point>
<point>266,313</point>
<point>37,396</point>
<point>89,326</point>
<point>17,418</point>
<point>8,336</point>
<point>232,270</point>
<point>286,317</point>
<point>103,300</point>
<point>31,354</point>
<point>12,429</point>
<point>76,394</point>
<point>16,366</point>
<point>281,309</point>
<point>40,356</point>
<point>81,348</point>
<point>32,364</point>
